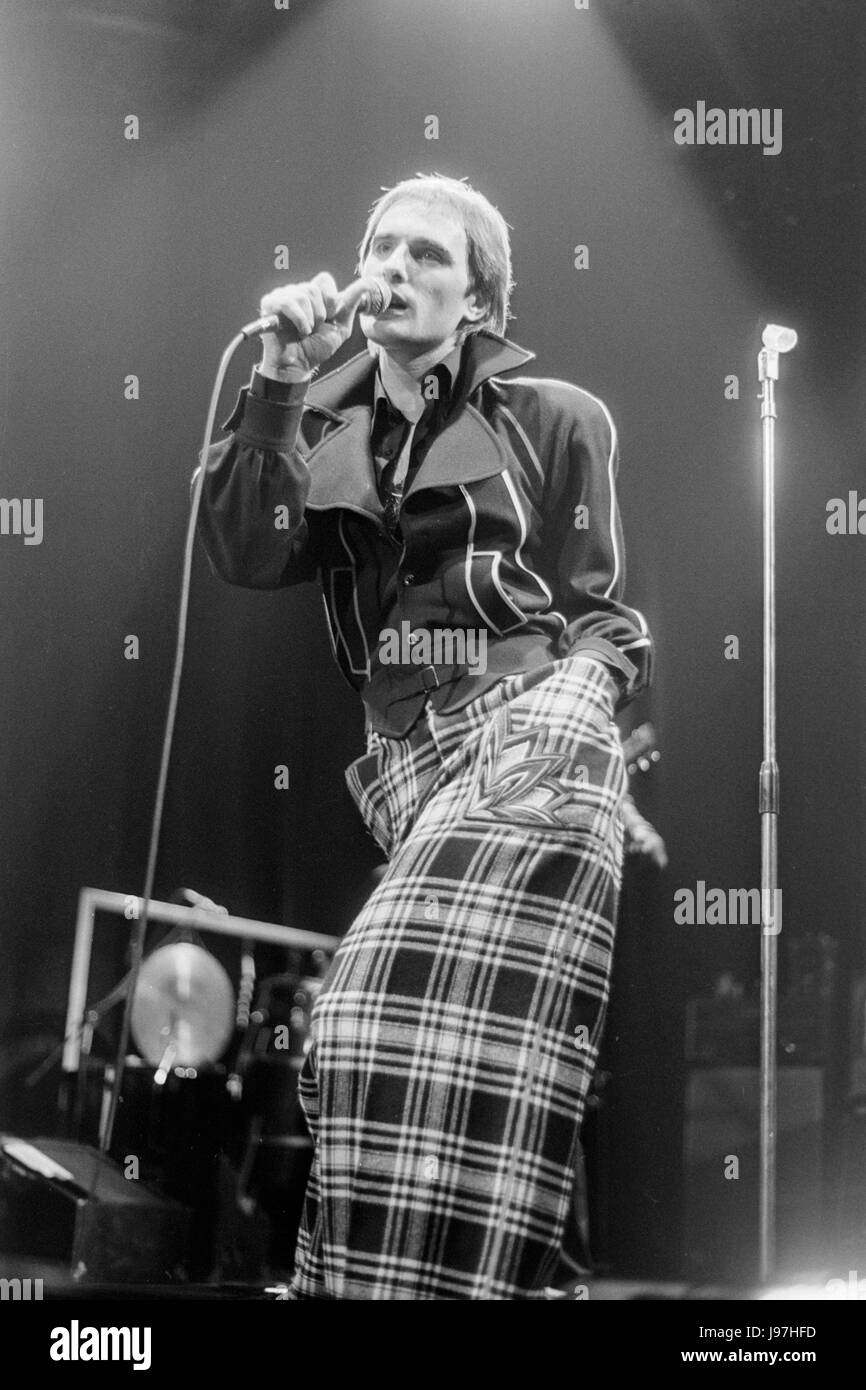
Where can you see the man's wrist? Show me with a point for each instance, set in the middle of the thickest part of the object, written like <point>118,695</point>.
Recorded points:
<point>285,374</point>
<point>615,676</point>
<point>277,390</point>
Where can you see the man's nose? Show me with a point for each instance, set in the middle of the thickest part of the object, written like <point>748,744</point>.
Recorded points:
<point>394,267</point>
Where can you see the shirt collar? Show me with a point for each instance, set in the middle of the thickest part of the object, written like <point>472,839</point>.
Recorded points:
<point>447,371</point>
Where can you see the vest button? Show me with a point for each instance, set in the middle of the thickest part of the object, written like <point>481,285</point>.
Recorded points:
<point>408,579</point>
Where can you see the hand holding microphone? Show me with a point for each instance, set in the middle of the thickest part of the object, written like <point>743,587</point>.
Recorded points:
<point>304,324</point>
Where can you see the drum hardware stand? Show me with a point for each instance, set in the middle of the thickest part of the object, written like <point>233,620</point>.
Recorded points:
<point>80,1037</point>
<point>80,1018</point>
<point>775,339</point>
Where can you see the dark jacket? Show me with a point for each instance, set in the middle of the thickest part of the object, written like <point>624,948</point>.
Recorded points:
<point>492,537</point>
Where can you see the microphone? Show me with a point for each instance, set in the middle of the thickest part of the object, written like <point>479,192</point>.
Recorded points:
<point>778,339</point>
<point>370,295</point>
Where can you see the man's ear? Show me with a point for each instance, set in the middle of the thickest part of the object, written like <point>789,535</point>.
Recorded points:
<point>473,312</point>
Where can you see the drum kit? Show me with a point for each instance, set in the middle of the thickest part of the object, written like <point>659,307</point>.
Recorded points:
<point>208,1109</point>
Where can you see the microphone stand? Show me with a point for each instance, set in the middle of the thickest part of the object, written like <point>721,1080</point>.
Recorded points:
<point>775,340</point>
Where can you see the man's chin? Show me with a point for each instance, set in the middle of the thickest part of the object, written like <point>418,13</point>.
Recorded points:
<point>394,335</point>
<point>386,331</point>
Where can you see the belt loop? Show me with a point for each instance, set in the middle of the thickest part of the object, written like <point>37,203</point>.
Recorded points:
<point>425,675</point>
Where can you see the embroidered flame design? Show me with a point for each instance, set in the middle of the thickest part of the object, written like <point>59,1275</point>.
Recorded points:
<point>521,782</point>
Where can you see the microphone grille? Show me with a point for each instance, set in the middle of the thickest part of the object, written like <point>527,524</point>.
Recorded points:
<point>779,339</point>
<point>379,295</point>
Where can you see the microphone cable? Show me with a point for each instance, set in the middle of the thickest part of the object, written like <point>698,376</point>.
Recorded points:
<point>139,931</point>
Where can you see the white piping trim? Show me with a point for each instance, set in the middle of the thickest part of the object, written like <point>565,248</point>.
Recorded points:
<point>496,557</point>
<point>518,555</point>
<point>523,436</point>
<point>352,569</point>
<point>331,637</point>
<point>470,551</point>
<point>617,563</point>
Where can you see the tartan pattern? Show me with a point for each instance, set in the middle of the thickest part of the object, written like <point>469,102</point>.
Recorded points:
<point>483,956</point>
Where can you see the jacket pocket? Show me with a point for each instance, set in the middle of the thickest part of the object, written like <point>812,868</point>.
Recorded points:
<point>367,792</point>
<point>489,595</point>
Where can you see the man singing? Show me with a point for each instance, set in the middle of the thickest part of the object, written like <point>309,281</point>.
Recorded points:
<point>437,496</point>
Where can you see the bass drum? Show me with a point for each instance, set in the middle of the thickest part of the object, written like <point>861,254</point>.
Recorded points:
<point>277,1148</point>
<point>169,1132</point>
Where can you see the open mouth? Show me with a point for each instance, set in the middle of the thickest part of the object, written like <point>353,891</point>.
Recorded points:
<point>397,301</point>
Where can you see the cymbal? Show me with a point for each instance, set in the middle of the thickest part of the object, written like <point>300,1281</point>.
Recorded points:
<point>184,1007</point>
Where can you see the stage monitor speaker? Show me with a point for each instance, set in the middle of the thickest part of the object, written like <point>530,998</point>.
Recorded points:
<point>722,1167</point>
<point>68,1204</point>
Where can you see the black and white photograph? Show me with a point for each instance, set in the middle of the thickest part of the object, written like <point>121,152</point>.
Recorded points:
<point>433,554</point>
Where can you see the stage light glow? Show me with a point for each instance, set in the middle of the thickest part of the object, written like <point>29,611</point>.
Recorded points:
<point>832,1290</point>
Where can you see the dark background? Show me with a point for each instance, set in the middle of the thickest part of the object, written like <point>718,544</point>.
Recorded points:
<point>262,127</point>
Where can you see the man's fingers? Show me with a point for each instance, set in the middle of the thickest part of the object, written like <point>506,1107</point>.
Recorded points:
<point>346,315</point>
<point>303,315</point>
<point>317,304</point>
<point>327,286</point>
<point>308,305</point>
<point>293,304</point>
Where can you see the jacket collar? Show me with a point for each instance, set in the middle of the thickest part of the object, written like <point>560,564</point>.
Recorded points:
<point>342,465</point>
<point>485,354</point>
<point>447,371</point>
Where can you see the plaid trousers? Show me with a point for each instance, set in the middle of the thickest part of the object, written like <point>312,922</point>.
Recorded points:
<point>456,1034</point>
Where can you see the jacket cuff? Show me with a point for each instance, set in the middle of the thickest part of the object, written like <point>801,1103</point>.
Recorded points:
<point>268,418</point>
<point>623,672</point>
<point>282,392</point>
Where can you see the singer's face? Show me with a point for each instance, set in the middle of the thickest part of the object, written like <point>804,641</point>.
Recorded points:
<point>420,251</point>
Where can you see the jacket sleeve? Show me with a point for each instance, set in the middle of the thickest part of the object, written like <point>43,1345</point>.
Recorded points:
<point>251,520</point>
<point>591,561</point>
